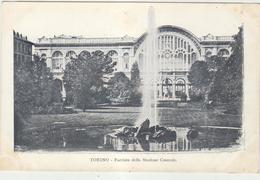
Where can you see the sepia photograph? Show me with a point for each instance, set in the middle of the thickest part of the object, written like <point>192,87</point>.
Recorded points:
<point>127,78</point>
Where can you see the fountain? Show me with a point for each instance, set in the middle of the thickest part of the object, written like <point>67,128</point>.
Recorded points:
<point>150,73</point>
<point>147,130</point>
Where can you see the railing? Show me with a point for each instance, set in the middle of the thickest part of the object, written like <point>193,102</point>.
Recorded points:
<point>84,40</point>
<point>217,38</point>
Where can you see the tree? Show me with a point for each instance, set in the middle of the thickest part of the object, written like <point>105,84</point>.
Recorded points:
<point>202,76</point>
<point>23,99</point>
<point>34,90</point>
<point>56,89</point>
<point>44,92</point>
<point>199,77</point>
<point>85,76</point>
<point>228,84</point>
<point>135,83</point>
<point>119,88</point>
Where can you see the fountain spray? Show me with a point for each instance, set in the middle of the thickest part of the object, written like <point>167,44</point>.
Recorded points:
<point>150,72</point>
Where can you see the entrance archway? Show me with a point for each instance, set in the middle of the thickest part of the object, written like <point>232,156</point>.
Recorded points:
<point>180,88</point>
<point>167,90</point>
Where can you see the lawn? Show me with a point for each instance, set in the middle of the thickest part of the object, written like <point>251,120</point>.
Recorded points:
<point>86,130</point>
<point>128,115</point>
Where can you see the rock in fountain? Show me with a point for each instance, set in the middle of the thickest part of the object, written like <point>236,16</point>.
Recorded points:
<point>192,134</point>
<point>145,132</point>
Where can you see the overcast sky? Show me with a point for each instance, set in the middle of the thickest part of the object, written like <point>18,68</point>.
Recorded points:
<point>116,20</point>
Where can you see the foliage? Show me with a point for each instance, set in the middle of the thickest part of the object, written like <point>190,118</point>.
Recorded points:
<point>119,88</point>
<point>45,90</point>
<point>202,76</point>
<point>221,79</point>
<point>228,84</point>
<point>56,89</point>
<point>199,75</point>
<point>84,78</point>
<point>135,95</point>
<point>196,95</point>
<point>23,100</point>
<point>35,91</point>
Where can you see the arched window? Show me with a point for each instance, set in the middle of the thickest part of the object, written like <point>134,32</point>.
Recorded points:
<point>43,56</point>
<point>223,53</point>
<point>70,55</point>
<point>126,60</point>
<point>208,54</point>
<point>98,53</point>
<point>57,58</point>
<point>193,58</point>
<point>167,90</point>
<point>179,87</point>
<point>84,54</point>
<point>114,56</point>
<point>179,64</point>
<point>180,56</point>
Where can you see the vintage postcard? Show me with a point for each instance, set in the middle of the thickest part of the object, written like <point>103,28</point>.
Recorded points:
<point>128,86</point>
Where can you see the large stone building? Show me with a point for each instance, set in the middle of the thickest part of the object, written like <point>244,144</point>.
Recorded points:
<point>22,49</point>
<point>178,49</point>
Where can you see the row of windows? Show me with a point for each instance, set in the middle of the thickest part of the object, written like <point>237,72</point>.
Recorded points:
<point>72,54</point>
<point>173,43</point>
<point>221,52</point>
<point>167,88</point>
<point>22,47</point>
<point>57,58</point>
<point>179,61</point>
<point>20,59</point>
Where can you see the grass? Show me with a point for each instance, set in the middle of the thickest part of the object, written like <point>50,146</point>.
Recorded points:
<point>127,116</point>
<point>48,131</point>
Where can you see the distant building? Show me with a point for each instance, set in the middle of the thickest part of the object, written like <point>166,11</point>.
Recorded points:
<point>22,49</point>
<point>178,49</point>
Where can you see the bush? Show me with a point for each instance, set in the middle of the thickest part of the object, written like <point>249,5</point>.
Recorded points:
<point>196,95</point>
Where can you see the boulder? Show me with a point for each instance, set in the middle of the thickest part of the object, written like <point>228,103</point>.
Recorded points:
<point>127,132</point>
<point>145,145</point>
<point>144,127</point>
<point>192,134</point>
<point>164,135</point>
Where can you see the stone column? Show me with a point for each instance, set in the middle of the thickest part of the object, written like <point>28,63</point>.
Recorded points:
<point>203,54</point>
<point>187,88</point>
<point>173,87</point>
<point>160,90</point>
<point>214,51</point>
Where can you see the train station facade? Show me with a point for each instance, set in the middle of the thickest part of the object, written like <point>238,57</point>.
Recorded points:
<point>178,49</point>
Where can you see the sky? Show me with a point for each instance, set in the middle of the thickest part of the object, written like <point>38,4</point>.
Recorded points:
<point>118,19</point>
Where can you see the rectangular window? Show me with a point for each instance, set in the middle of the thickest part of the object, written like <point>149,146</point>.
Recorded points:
<point>162,42</point>
<point>175,42</point>
<point>171,42</point>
